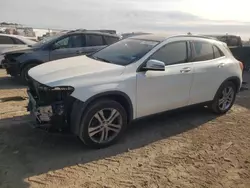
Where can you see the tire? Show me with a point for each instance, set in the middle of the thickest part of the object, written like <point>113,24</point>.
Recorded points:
<point>217,106</point>
<point>109,132</point>
<point>24,73</point>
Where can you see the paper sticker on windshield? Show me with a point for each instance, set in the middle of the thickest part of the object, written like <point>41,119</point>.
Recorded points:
<point>152,43</point>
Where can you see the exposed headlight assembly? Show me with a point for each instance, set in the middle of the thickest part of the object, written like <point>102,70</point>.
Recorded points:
<point>59,88</point>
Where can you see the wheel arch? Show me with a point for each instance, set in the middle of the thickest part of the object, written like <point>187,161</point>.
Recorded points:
<point>118,96</point>
<point>234,79</point>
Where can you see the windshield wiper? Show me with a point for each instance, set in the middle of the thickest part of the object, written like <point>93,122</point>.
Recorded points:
<point>101,59</point>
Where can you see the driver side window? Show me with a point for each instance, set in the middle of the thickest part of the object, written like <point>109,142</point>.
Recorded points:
<point>172,53</point>
<point>61,44</point>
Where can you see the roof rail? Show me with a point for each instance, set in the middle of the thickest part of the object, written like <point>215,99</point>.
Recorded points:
<point>101,30</point>
<point>198,36</point>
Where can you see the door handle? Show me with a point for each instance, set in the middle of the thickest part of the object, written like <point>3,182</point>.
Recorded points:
<point>186,69</point>
<point>221,65</point>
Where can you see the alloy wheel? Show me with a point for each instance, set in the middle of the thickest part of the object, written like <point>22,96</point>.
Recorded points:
<point>226,99</point>
<point>105,125</point>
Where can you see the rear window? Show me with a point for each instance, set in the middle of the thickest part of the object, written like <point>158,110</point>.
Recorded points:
<point>110,40</point>
<point>217,52</point>
<point>94,40</point>
<point>17,41</point>
<point>6,40</point>
<point>202,51</point>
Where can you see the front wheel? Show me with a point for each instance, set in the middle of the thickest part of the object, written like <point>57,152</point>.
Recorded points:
<point>103,123</point>
<point>224,98</point>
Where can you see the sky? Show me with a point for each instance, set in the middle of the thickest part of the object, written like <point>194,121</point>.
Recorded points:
<point>171,16</point>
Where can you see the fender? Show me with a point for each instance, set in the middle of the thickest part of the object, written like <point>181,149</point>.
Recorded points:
<point>30,61</point>
<point>117,93</point>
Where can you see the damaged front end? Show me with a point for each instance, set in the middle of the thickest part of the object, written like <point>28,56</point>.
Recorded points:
<point>50,105</point>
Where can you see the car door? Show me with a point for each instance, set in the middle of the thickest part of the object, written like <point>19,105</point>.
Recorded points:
<point>94,42</point>
<point>209,71</point>
<point>158,91</point>
<point>67,46</point>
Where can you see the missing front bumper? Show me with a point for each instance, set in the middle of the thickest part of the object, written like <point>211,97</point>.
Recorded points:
<point>52,115</point>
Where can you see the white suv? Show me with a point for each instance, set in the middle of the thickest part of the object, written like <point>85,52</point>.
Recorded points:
<point>97,95</point>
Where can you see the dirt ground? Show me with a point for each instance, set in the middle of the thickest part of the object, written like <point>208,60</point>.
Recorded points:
<point>184,149</point>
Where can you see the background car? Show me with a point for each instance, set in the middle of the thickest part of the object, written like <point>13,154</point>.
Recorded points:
<point>11,41</point>
<point>73,43</point>
<point>97,95</point>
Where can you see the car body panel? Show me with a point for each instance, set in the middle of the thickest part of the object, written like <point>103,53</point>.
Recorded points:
<point>158,91</point>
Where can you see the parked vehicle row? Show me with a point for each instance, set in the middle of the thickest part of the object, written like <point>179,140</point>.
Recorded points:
<point>96,96</point>
<point>74,43</point>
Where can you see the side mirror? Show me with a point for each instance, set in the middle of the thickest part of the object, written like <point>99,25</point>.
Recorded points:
<point>154,65</point>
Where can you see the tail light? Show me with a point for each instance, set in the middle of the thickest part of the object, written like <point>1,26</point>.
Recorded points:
<point>241,66</point>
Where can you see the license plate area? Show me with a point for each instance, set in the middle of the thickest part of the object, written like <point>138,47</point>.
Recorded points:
<point>41,113</point>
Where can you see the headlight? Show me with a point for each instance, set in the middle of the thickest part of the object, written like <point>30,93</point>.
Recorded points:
<point>59,88</point>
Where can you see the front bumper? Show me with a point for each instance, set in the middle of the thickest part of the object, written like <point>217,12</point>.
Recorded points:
<point>52,116</point>
<point>12,68</point>
<point>50,107</point>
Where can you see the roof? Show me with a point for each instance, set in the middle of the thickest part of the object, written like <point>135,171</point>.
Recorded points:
<point>101,32</point>
<point>153,37</point>
<point>162,37</point>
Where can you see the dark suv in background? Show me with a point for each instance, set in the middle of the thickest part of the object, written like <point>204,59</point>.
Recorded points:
<point>78,42</point>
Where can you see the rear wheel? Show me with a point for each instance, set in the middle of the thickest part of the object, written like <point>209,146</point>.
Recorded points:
<point>103,123</point>
<point>224,98</point>
<point>24,73</point>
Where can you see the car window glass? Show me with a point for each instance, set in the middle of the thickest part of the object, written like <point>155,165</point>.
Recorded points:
<point>223,39</point>
<point>173,53</point>
<point>17,41</point>
<point>76,41</point>
<point>125,52</point>
<point>217,52</point>
<point>94,40</point>
<point>233,41</point>
<point>6,40</point>
<point>61,44</point>
<point>202,51</point>
<point>110,40</point>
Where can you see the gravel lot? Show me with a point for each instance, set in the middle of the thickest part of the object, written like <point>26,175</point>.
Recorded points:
<point>188,148</point>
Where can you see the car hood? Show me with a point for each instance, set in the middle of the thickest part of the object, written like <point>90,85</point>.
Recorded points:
<point>18,49</point>
<point>73,71</point>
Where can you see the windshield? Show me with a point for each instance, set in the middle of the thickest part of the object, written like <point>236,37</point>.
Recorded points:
<point>125,51</point>
<point>46,40</point>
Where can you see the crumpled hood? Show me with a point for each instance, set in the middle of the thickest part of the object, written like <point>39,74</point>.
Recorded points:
<point>17,49</point>
<point>73,71</point>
